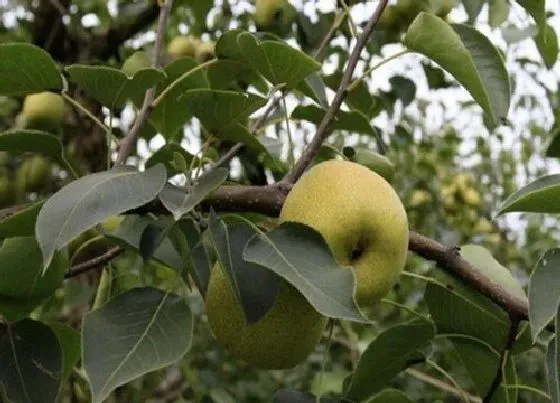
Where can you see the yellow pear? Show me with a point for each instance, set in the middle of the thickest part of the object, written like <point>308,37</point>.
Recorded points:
<point>283,338</point>
<point>182,46</point>
<point>43,111</point>
<point>361,218</point>
<point>204,51</point>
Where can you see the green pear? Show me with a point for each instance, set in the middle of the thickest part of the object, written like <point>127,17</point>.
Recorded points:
<point>361,218</point>
<point>276,16</point>
<point>183,46</point>
<point>43,111</point>
<point>33,173</point>
<point>137,61</point>
<point>283,338</point>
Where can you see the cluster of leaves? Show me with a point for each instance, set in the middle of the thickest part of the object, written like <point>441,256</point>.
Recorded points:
<point>144,311</point>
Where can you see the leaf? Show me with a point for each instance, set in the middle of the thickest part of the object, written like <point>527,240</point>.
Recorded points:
<point>498,11</point>
<point>540,196</point>
<point>230,74</point>
<point>24,141</point>
<point>552,364</point>
<point>153,236</point>
<point>536,9</point>
<point>473,8</point>
<point>482,363</point>
<point>277,61</point>
<point>353,121</point>
<point>112,87</point>
<point>90,200</point>
<point>386,356</point>
<point>457,309</point>
<point>22,222</point>
<point>129,235</point>
<point>27,69</point>
<point>544,291</point>
<point>254,286</point>
<point>155,332</point>
<point>23,286</point>
<point>31,362</point>
<point>179,202</point>
<point>70,343</point>
<point>169,114</point>
<point>224,113</point>
<point>483,261</point>
<point>547,44</point>
<point>404,89</point>
<point>391,396</point>
<point>469,56</point>
<point>301,256</point>
<point>295,396</point>
<point>359,98</point>
<point>165,156</point>
<point>317,90</point>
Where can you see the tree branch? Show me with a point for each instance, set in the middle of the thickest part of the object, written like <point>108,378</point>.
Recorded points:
<point>325,127</point>
<point>94,263</point>
<point>514,325</point>
<point>126,144</point>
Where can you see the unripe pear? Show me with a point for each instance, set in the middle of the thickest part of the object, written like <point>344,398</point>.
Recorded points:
<point>361,218</point>
<point>283,338</point>
<point>137,61</point>
<point>33,173</point>
<point>183,46</point>
<point>204,51</point>
<point>43,111</point>
<point>420,197</point>
<point>275,16</point>
<point>471,197</point>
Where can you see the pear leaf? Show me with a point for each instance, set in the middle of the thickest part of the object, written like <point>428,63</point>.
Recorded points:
<point>31,362</point>
<point>536,9</point>
<point>391,396</point>
<point>165,156</point>
<point>301,256</point>
<point>180,202</point>
<point>353,121</point>
<point>22,222</point>
<point>540,196</point>
<point>70,343</point>
<point>552,361</point>
<point>112,87</point>
<point>469,56</point>
<point>155,332</point>
<point>544,291</point>
<point>391,352</point>
<point>90,200</point>
<point>27,69</point>
<point>547,44</point>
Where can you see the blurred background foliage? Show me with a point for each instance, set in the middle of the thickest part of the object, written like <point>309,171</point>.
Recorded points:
<point>452,170</point>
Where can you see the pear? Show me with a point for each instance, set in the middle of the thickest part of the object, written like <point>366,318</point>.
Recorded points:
<point>204,51</point>
<point>275,16</point>
<point>284,337</point>
<point>137,61</point>
<point>43,111</point>
<point>183,46</point>
<point>361,218</point>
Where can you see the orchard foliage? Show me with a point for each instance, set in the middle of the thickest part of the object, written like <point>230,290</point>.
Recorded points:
<point>141,142</point>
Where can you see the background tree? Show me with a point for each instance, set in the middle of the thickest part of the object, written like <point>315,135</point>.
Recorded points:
<point>149,146</point>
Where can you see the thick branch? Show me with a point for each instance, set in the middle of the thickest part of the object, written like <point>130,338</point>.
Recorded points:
<point>325,127</point>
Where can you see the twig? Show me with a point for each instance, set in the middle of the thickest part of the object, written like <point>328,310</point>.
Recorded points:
<point>514,325</point>
<point>94,263</point>
<point>338,21</point>
<point>325,127</point>
<point>439,384</point>
<point>126,144</point>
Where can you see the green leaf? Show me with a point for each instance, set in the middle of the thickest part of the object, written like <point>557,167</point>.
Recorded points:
<point>23,286</point>
<point>353,121</point>
<point>359,98</point>
<point>547,44</point>
<point>179,202</point>
<point>22,222</point>
<point>540,196</point>
<point>483,261</point>
<point>112,87</point>
<point>24,141</point>
<point>544,291</point>
<point>229,74</point>
<point>90,200</point>
<point>301,256</point>
<point>223,113</point>
<point>314,87</point>
<point>227,47</point>
<point>169,113</point>
<point>70,343</point>
<point>165,156</point>
<point>129,235</point>
<point>31,362</point>
<point>155,332</point>
<point>469,56</point>
<point>457,309</point>
<point>498,11</point>
<point>391,352</point>
<point>27,69</point>
<point>552,361</point>
<point>391,396</point>
<point>295,396</point>
<point>404,89</point>
<point>473,8</point>
<point>482,363</point>
<point>277,61</point>
<point>254,286</point>
<point>536,9</point>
